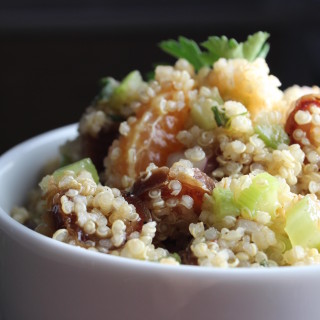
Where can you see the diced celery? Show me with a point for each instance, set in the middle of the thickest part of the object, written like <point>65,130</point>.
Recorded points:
<point>70,151</point>
<point>127,90</point>
<point>216,96</point>
<point>65,159</point>
<point>108,86</point>
<point>224,203</point>
<point>303,223</point>
<point>261,195</point>
<point>284,240</point>
<point>272,135</point>
<point>76,167</point>
<point>202,115</point>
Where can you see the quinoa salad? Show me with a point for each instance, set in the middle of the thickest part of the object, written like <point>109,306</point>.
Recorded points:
<point>208,163</point>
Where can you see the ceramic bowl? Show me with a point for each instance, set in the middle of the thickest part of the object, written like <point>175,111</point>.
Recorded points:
<point>41,278</point>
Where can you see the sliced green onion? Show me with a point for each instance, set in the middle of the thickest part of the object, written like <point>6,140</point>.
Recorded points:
<point>219,116</point>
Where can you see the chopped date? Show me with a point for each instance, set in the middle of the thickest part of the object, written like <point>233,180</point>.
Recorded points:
<point>300,126</point>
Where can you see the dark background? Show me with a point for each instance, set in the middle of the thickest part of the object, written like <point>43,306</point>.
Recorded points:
<point>53,52</point>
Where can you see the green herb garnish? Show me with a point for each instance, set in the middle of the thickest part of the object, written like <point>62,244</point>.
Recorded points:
<point>175,256</point>
<point>222,47</point>
<point>272,135</point>
<point>264,263</point>
<point>185,48</point>
<point>219,116</point>
<point>116,117</point>
<point>217,47</point>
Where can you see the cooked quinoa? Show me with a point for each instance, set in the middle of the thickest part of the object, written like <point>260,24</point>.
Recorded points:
<point>213,166</point>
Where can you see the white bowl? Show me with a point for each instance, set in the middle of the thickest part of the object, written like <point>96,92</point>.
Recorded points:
<point>41,278</point>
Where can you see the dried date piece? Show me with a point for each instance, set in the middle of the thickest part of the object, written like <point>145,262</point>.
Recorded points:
<point>303,123</point>
<point>174,197</point>
<point>96,147</point>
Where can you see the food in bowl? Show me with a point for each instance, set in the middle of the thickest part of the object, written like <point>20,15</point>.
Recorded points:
<point>208,163</point>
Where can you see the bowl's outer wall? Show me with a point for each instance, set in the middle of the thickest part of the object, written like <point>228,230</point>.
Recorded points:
<point>44,279</point>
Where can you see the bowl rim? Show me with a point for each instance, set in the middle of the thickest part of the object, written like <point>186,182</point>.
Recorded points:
<point>61,250</point>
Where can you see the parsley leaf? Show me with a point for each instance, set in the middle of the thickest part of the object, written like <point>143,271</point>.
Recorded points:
<point>221,47</point>
<point>256,46</point>
<point>184,48</point>
<point>217,47</point>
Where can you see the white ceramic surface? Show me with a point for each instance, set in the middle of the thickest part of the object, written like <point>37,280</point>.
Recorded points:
<point>43,279</point>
